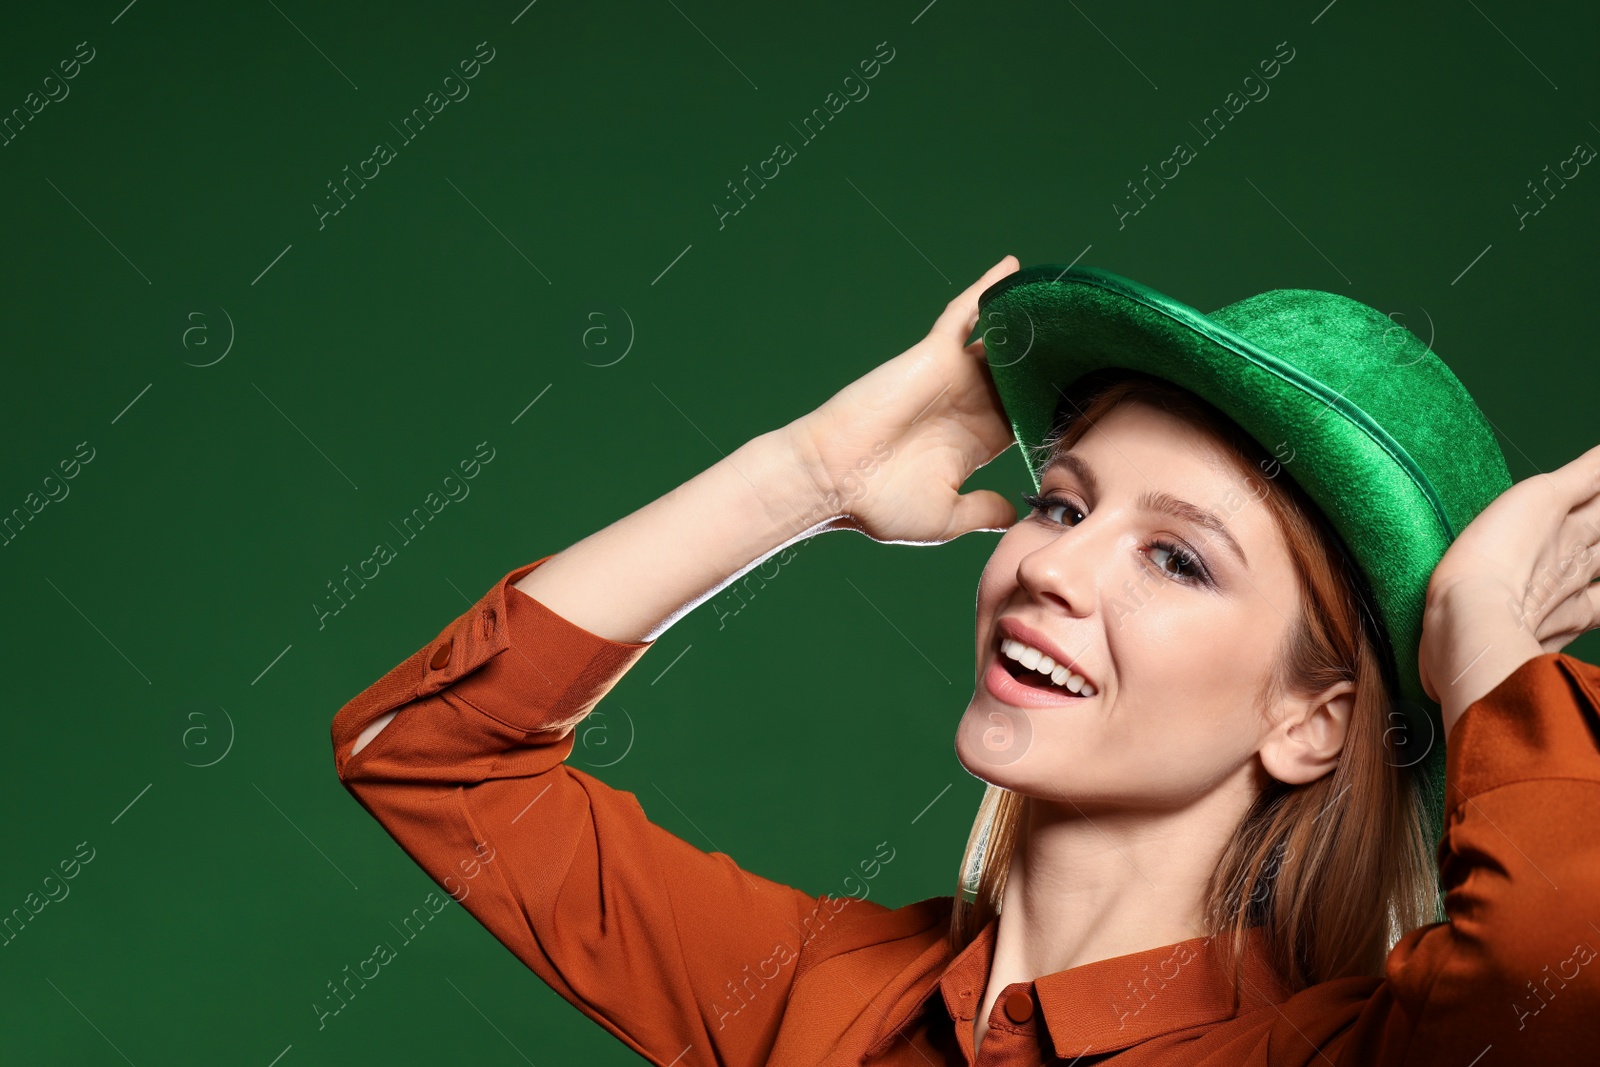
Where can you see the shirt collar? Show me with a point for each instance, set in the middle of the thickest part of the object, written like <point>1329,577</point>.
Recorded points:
<point>1106,1005</point>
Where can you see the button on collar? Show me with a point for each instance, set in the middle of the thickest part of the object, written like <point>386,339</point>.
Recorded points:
<point>441,655</point>
<point>1019,1007</point>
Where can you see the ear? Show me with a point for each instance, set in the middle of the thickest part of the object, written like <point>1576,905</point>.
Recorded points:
<point>1309,735</point>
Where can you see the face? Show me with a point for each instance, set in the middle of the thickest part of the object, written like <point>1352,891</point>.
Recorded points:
<point>1175,631</point>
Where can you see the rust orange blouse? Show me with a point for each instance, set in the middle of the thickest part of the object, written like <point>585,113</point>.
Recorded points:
<point>691,960</point>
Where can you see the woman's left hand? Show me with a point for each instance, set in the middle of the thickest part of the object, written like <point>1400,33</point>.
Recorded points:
<point>1517,583</point>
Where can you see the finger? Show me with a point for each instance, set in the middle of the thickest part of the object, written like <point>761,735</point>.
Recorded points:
<point>1582,476</point>
<point>1584,523</point>
<point>1557,585</point>
<point>1573,617</point>
<point>1590,598</point>
<point>961,313</point>
<point>981,509</point>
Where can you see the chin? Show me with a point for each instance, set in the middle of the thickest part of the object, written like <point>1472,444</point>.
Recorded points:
<point>992,737</point>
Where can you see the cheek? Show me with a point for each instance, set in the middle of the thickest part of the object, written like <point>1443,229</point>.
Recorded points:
<point>1188,660</point>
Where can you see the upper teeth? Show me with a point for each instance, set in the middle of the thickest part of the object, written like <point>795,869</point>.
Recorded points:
<point>1035,660</point>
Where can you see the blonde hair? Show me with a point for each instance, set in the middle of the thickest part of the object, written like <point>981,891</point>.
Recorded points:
<point>1334,870</point>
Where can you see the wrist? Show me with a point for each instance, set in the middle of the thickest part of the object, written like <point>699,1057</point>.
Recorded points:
<point>1479,643</point>
<point>785,474</point>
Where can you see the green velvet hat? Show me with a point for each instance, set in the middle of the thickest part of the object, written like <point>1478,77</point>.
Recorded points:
<point>1364,416</point>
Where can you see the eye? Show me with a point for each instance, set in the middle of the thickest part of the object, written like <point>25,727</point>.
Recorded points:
<point>1043,505</point>
<point>1165,553</point>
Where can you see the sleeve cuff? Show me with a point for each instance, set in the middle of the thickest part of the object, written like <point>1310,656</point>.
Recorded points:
<point>523,665</point>
<point>1542,721</point>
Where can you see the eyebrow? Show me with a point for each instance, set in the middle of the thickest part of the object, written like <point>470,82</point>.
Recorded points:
<point>1153,500</point>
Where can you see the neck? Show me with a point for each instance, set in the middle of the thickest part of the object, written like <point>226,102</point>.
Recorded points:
<point>1083,887</point>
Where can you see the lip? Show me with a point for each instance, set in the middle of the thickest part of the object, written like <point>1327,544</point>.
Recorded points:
<point>1017,631</point>
<point>1006,689</point>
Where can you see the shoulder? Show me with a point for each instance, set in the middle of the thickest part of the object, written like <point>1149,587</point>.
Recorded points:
<point>877,935</point>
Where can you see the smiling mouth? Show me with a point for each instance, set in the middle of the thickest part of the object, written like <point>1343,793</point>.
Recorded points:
<point>1027,676</point>
<point>1033,679</point>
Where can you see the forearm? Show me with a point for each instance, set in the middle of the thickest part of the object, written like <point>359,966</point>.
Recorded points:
<point>631,580</point>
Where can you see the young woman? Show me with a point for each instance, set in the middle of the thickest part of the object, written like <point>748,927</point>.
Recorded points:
<point>1202,842</point>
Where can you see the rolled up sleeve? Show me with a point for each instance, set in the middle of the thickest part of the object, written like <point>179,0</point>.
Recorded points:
<point>668,947</point>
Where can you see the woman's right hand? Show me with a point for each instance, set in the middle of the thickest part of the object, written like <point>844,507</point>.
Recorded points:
<point>889,452</point>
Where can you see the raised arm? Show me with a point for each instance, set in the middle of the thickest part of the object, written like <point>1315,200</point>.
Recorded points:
<point>633,579</point>
<point>886,456</point>
<point>459,751</point>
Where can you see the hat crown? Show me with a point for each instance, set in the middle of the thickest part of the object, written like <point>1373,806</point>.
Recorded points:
<point>1376,366</point>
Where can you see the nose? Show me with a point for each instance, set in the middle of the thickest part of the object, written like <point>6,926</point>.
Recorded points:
<point>1068,572</point>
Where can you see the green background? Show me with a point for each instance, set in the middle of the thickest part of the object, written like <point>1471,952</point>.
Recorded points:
<point>159,617</point>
